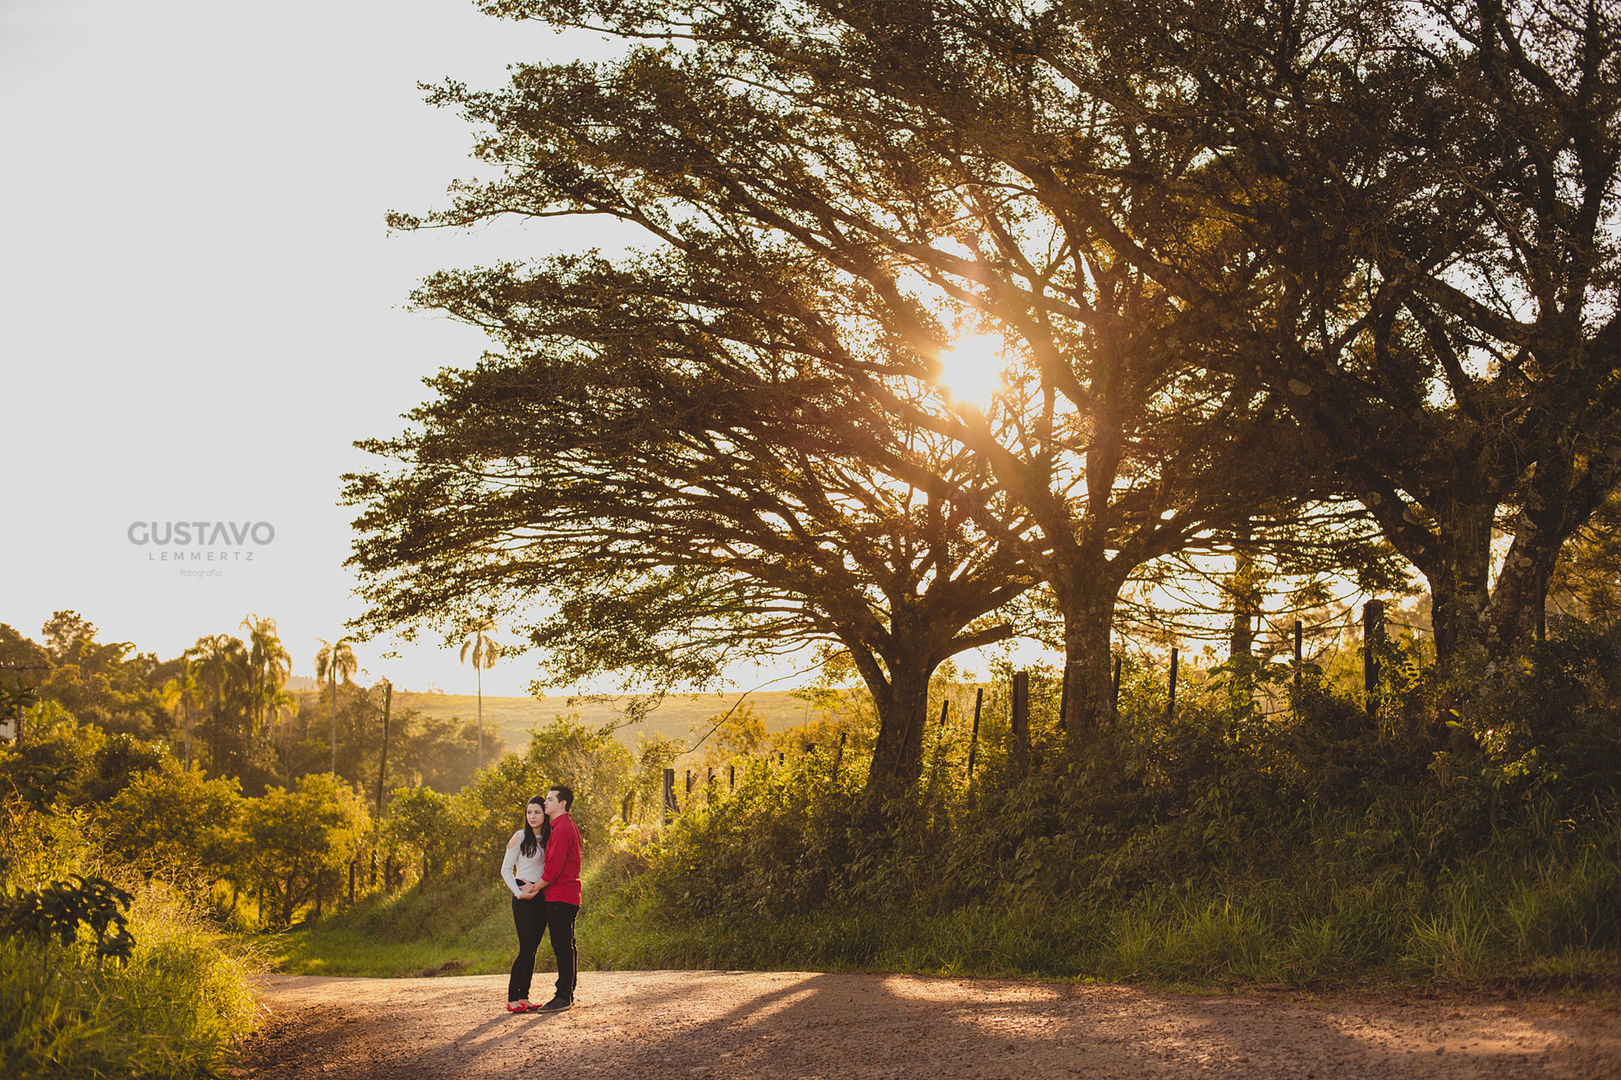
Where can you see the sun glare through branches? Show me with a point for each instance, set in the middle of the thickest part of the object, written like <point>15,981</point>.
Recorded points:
<point>973,370</point>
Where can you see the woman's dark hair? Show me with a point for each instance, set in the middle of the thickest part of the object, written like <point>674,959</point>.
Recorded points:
<point>529,842</point>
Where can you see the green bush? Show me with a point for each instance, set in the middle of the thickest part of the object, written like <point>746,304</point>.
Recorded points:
<point>164,998</point>
<point>1313,844</point>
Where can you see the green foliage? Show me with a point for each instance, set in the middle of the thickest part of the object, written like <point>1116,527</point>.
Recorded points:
<point>99,683</point>
<point>51,759</point>
<point>1550,718</point>
<point>1224,844</point>
<point>590,761</point>
<point>296,837</point>
<point>221,706</point>
<point>173,1007</point>
<point>119,760</point>
<point>59,909</point>
<point>767,848</point>
<point>175,823</point>
<point>654,754</point>
<point>420,825</point>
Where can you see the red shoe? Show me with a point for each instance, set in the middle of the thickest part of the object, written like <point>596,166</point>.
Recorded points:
<point>520,1006</point>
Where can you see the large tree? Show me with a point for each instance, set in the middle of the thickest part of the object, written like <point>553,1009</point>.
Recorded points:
<point>660,478</point>
<point>1431,189</point>
<point>946,180</point>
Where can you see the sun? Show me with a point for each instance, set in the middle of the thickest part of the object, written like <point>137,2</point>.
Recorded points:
<point>973,370</point>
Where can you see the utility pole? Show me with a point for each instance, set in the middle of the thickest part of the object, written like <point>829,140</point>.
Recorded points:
<point>382,768</point>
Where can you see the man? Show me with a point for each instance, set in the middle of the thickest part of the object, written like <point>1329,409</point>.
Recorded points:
<point>560,885</point>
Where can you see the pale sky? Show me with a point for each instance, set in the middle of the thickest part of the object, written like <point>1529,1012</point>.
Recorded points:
<point>200,305</point>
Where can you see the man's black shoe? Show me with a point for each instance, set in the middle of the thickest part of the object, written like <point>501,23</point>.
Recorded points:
<point>556,1004</point>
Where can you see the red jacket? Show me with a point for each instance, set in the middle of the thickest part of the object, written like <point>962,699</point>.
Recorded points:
<point>562,872</point>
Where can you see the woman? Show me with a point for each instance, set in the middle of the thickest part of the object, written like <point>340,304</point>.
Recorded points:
<point>521,868</point>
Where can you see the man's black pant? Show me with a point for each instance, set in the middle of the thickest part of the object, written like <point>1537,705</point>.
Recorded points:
<point>560,921</point>
<point>534,918</point>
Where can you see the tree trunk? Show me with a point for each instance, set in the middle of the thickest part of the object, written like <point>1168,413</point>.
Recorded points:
<point>901,697</point>
<point>1459,582</point>
<point>1563,496</point>
<point>287,899</point>
<point>1520,596</point>
<point>1244,591</point>
<point>1086,598</point>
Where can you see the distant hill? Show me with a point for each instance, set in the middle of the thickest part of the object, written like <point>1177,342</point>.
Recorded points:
<point>675,717</point>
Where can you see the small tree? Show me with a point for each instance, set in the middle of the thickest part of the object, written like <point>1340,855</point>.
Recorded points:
<point>176,823</point>
<point>421,824</point>
<point>299,836</point>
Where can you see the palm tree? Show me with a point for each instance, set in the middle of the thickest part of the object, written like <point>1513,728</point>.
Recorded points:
<point>334,661</point>
<point>271,665</point>
<point>182,694</point>
<point>222,668</point>
<point>485,652</point>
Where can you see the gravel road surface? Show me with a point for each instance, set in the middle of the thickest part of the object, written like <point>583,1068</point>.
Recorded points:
<point>639,1025</point>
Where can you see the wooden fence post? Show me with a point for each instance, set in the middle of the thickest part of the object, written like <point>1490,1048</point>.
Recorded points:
<point>973,739</point>
<point>1021,712</point>
<point>1170,705</point>
<point>1373,633</point>
<point>670,807</point>
<point>1300,655</point>
<point>1114,690</point>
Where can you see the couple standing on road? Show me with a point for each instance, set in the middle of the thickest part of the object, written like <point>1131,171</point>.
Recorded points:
<point>542,868</point>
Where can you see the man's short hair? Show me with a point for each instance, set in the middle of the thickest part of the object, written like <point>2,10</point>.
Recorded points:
<point>565,795</point>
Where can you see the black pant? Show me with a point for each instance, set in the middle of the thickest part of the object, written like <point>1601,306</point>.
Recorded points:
<point>533,918</point>
<point>560,921</point>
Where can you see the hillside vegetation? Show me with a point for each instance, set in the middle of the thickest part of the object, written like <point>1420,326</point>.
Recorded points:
<point>677,716</point>
<point>1316,844</point>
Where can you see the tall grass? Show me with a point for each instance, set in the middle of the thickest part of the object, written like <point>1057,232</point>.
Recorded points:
<point>1334,921</point>
<point>175,1009</point>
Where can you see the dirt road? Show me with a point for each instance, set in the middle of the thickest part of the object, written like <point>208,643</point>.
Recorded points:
<point>732,1025</point>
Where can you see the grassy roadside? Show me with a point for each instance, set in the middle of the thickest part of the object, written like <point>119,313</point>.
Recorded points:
<point>1325,849</point>
<point>1486,928</point>
<point>461,928</point>
<point>175,1008</point>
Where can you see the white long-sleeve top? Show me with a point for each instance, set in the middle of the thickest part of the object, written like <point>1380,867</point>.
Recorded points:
<point>516,866</point>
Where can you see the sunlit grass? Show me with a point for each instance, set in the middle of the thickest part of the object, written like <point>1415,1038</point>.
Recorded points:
<point>175,1010</point>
